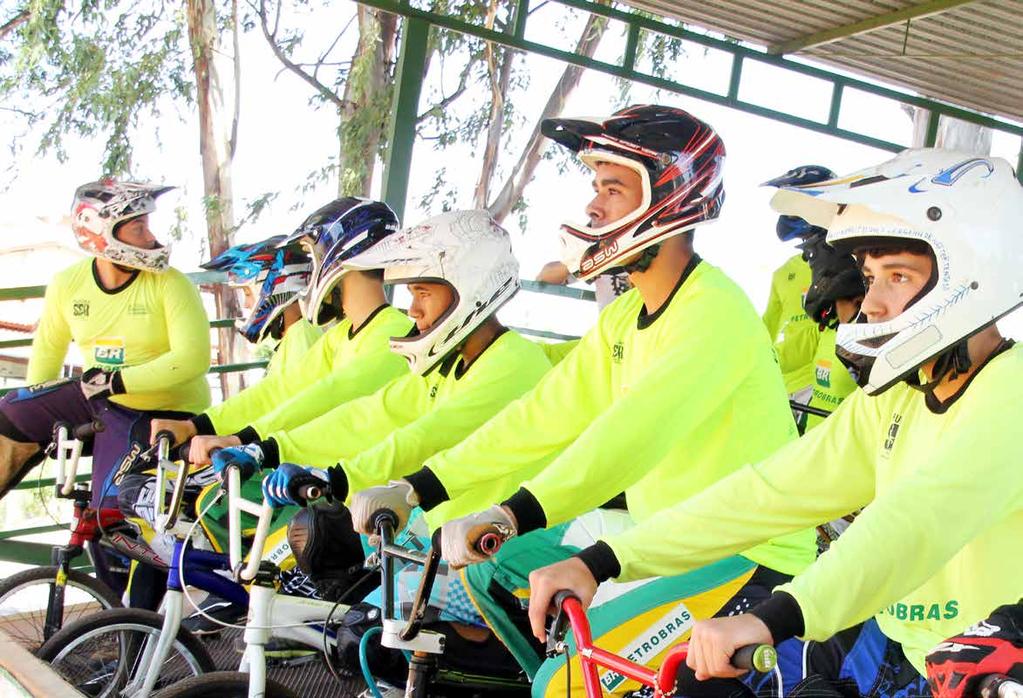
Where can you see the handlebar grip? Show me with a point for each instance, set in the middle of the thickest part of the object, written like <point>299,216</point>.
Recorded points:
<point>384,517</point>
<point>181,452</point>
<point>311,493</point>
<point>489,543</point>
<point>87,430</point>
<point>761,658</point>
<point>999,686</point>
<point>561,596</point>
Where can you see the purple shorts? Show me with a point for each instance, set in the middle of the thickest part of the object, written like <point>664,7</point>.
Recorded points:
<point>32,413</point>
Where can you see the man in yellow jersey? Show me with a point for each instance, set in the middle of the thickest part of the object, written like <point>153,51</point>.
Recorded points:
<point>929,443</point>
<point>834,296</point>
<point>142,332</point>
<point>652,401</point>
<point>350,360</point>
<point>795,335</point>
<point>272,278</point>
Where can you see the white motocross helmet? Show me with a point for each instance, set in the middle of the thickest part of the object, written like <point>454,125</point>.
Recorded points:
<point>468,251</point>
<point>966,208</point>
<point>98,208</point>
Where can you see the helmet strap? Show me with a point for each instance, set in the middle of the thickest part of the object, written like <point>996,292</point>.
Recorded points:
<point>645,259</point>
<point>952,362</point>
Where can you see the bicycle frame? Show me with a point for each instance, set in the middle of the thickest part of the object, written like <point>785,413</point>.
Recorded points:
<point>763,657</point>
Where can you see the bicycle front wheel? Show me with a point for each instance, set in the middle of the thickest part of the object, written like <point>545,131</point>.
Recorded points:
<point>222,684</point>
<point>109,653</point>
<point>25,596</point>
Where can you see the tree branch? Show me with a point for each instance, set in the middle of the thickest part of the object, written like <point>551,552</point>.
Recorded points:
<point>14,22</point>
<point>524,169</point>
<point>232,142</point>
<point>322,89</point>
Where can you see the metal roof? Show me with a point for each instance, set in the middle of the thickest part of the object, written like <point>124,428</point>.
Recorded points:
<point>966,52</point>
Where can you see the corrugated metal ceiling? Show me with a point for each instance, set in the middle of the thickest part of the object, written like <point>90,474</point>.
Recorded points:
<point>966,53</point>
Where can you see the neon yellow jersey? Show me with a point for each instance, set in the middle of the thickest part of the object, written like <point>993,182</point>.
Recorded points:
<point>390,433</point>
<point>300,336</point>
<point>340,366</point>
<point>935,550</point>
<point>556,351</point>
<point>831,382</point>
<point>154,329</point>
<point>659,406</point>
<point>794,334</point>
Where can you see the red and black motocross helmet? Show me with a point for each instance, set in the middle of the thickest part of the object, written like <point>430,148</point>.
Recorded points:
<point>680,160</point>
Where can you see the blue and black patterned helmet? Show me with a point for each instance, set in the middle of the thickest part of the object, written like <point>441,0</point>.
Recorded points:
<point>244,262</point>
<point>333,235</point>
<point>794,227</point>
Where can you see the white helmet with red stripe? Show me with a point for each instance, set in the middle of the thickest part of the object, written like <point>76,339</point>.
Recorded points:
<point>679,160</point>
<point>99,207</point>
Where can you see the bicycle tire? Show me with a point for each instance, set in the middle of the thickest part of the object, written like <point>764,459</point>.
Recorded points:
<point>27,627</point>
<point>222,684</point>
<point>66,650</point>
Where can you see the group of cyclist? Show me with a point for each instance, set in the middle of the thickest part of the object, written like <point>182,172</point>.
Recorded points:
<point>858,543</point>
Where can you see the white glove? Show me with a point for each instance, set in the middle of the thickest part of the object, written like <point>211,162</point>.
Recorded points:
<point>460,539</point>
<point>397,497</point>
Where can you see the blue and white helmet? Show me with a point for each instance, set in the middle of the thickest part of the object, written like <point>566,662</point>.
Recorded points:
<point>280,273</point>
<point>966,209</point>
<point>332,235</point>
<point>794,227</point>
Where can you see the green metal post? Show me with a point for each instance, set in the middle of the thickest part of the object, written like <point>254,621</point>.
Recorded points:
<point>835,111</point>
<point>1019,163</point>
<point>404,112</point>
<point>521,15</point>
<point>735,78</point>
<point>933,120</point>
<point>631,40</point>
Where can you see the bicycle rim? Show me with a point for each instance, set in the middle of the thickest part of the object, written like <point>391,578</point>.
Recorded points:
<point>104,662</point>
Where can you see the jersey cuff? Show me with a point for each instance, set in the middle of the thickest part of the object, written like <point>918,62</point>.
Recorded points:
<point>338,480</point>
<point>529,515</point>
<point>428,486</point>
<point>203,425</point>
<point>782,616</point>
<point>271,453</point>
<point>601,561</point>
<point>248,435</point>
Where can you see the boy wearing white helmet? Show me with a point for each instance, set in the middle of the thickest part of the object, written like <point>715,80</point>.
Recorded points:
<point>141,329</point>
<point>930,444</point>
<point>676,386</point>
<point>464,367</point>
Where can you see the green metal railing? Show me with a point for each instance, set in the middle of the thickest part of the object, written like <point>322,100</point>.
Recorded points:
<point>31,553</point>
<point>412,60</point>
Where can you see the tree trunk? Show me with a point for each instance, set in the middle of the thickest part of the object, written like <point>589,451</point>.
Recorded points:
<point>366,101</point>
<point>216,147</point>
<point>523,171</point>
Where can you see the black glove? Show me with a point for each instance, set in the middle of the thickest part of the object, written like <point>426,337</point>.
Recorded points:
<point>99,383</point>
<point>992,646</point>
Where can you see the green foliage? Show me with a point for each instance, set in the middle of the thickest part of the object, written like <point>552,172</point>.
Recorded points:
<point>101,69</point>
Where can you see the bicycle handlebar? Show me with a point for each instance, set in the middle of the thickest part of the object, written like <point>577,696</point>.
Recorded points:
<point>762,658</point>
<point>68,444</point>
<point>236,504</point>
